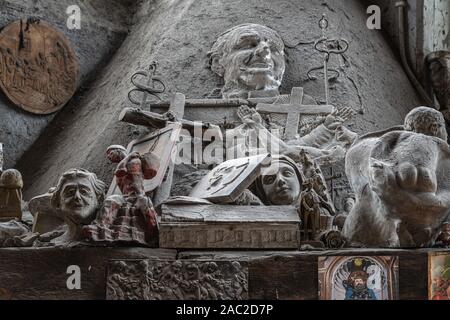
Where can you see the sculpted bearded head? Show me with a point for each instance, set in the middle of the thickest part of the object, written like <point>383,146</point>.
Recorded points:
<point>250,57</point>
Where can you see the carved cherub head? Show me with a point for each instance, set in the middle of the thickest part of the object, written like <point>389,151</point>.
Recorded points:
<point>192,271</point>
<point>427,121</point>
<point>279,184</point>
<point>78,195</point>
<point>249,57</point>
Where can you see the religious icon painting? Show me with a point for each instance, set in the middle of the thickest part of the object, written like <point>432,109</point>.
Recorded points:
<point>358,278</point>
<point>439,276</point>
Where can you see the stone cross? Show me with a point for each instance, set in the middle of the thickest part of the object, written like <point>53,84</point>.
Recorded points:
<point>294,109</point>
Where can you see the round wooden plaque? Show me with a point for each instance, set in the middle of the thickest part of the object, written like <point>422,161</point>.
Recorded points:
<point>38,67</point>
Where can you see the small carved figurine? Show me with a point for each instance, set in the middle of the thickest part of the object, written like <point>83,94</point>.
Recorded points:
<point>129,217</point>
<point>312,208</point>
<point>11,194</point>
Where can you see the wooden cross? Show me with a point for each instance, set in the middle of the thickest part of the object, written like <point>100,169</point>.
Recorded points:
<point>155,121</point>
<point>163,192</point>
<point>294,110</point>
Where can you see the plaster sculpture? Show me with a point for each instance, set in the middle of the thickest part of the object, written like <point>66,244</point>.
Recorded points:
<point>77,197</point>
<point>250,58</point>
<point>326,144</point>
<point>402,183</point>
<point>128,217</point>
<point>280,183</point>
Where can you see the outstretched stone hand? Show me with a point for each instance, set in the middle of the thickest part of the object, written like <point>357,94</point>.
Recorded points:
<point>334,120</point>
<point>249,115</point>
<point>251,118</point>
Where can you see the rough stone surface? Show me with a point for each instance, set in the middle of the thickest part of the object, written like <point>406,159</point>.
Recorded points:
<point>179,33</point>
<point>389,27</point>
<point>103,28</point>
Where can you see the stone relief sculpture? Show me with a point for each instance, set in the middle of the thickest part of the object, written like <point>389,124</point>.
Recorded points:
<point>39,69</point>
<point>400,177</point>
<point>179,279</point>
<point>401,195</point>
<point>250,58</point>
<point>326,144</point>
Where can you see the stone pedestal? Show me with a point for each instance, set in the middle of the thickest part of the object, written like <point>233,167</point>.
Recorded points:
<point>226,226</point>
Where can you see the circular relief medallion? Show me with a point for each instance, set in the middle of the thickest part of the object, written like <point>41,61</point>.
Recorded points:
<point>38,68</point>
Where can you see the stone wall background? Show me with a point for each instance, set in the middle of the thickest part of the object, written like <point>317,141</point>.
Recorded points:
<point>178,33</point>
<point>104,26</point>
<point>428,28</point>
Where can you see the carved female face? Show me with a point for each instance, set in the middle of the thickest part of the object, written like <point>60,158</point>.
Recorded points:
<point>252,59</point>
<point>281,184</point>
<point>78,200</point>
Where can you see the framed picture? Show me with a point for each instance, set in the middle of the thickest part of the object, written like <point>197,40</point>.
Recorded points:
<point>439,276</point>
<point>358,278</point>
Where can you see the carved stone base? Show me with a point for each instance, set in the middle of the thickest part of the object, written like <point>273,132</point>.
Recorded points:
<point>41,273</point>
<point>217,226</point>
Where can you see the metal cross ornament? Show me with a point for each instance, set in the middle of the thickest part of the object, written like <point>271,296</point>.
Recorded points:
<point>327,47</point>
<point>153,86</point>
